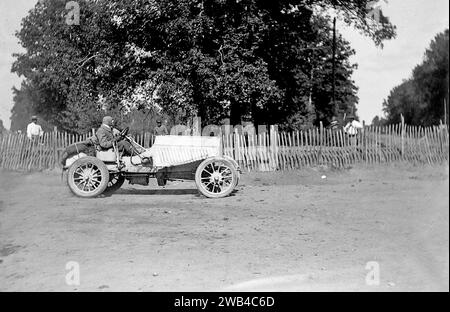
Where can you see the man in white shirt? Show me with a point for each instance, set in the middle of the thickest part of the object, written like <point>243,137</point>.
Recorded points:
<point>34,131</point>
<point>352,127</point>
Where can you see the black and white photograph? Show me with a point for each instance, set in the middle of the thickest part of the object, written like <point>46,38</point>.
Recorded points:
<point>235,148</point>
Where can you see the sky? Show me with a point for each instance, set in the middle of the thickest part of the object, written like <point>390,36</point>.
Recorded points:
<point>379,70</point>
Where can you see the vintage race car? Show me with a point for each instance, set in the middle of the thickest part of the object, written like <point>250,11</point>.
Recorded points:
<point>170,158</point>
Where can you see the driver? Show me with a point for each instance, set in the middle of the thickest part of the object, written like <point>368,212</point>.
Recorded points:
<point>107,135</point>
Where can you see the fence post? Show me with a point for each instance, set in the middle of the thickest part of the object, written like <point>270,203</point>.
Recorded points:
<point>319,156</point>
<point>274,146</point>
<point>55,149</point>
<point>197,126</point>
<point>403,136</point>
<point>278,149</point>
<point>237,148</point>
<point>364,141</point>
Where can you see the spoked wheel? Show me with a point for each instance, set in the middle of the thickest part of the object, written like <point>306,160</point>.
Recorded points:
<point>116,180</point>
<point>88,177</point>
<point>236,166</point>
<point>216,177</point>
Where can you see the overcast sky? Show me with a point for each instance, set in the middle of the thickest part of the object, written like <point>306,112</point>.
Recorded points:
<point>418,21</point>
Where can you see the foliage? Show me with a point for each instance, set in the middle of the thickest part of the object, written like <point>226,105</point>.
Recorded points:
<point>378,121</point>
<point>268,62</point>
<point>421,98</point>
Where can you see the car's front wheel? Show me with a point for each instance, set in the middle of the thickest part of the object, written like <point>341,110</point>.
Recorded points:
<point>88,177</point>
<point>216,177</point>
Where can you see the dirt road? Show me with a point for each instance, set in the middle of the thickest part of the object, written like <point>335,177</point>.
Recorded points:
<point>285,231</point>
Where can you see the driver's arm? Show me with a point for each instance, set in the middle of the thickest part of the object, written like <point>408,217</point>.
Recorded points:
<point>116,133</point>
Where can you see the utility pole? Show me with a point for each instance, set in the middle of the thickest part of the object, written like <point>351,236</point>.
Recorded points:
<point>336,110</point>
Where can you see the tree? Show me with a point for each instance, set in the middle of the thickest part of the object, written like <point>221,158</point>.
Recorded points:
<point>421,98</point>
<point>403,100</point>
<point>23,107</point>
<point>431,80</point>
<point>2,127</point>
<point>244,59</point>
<point>378,121</point>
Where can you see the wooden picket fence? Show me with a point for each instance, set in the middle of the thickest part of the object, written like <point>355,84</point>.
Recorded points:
<point>17,152</point>
<point>268,151</point>
<point>319,146</point>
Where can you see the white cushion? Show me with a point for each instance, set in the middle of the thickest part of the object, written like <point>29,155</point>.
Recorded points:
<point>106,156</point>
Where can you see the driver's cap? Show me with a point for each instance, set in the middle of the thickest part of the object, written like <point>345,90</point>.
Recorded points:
<point>108,120</point>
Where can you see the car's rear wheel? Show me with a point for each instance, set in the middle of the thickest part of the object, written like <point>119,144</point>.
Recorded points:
<point>88,177</point>
<point>216,177</point>
<point>115,182</point>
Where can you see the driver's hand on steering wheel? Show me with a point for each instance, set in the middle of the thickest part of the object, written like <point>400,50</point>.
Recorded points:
<point>117,136</point>
<point>123,133</point>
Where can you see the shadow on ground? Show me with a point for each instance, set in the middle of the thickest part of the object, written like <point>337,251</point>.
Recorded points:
<point>157,192</point>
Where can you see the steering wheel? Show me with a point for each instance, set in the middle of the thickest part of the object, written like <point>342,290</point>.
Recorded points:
<point>124,132</point>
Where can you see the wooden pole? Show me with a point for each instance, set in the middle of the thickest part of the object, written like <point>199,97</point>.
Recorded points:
<point>403,135</point>
<point>335,108</point>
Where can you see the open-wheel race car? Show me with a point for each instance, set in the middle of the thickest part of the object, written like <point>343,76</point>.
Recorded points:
<point>171,158</point>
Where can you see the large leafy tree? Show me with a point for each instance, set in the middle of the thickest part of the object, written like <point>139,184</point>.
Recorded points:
<point>403,100</point>
<point>269,62</point>
<point>22,109</point>
<point>422,98</point>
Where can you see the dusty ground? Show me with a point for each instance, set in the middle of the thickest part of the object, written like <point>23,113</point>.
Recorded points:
<point>280,231</point>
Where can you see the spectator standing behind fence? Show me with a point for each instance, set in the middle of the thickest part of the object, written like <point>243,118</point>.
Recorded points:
<point>160,129</point>
<point>352,127</point>
<point>34,131</point>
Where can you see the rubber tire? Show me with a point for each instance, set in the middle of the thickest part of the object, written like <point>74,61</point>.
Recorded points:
<point>113,188</point>
<point>234,162</point>
<point>103,171</point>
<point>198,173</point>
